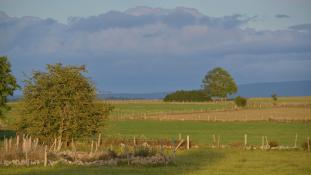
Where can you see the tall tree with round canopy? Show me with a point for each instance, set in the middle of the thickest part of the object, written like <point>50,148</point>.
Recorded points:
<point>219,83</point>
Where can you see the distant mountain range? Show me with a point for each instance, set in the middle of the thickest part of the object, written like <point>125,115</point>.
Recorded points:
<point>156,95</point>
<point>289,88</point>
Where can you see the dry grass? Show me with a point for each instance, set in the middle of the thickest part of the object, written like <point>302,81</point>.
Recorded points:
<point>276,113</point>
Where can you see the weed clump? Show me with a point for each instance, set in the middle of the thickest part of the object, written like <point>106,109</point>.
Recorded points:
<point>144,152</point>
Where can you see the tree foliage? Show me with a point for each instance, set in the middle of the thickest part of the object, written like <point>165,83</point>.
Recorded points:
<point>240,101</point>
<point>61,103</point>
<point>219,83</point>
<point>274,96</point>
<point>7,83</point>
<point>187,96</point>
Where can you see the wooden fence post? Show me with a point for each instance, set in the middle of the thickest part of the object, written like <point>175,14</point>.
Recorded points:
<point>245,140</point>
<point>30,142</point>
<point>267,143</point>
<point>218,141</point>
<point>17,141</point>
<point>73,146</point>
<point>59,144</point>
<point>6,145</point>
<point>26,157</point>
<point>179,144</point>
<point>308,142</point>
<point>188,142</point>
<point>45,156</point>
<point>10,143</point>
<point>99,139</point>
<point>214,140</point>
<point>262,142</point>
<point>92,147</point>
<point>296,138</point>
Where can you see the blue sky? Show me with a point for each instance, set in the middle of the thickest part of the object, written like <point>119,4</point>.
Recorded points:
<point>157,45</point>
<point>298,11</point>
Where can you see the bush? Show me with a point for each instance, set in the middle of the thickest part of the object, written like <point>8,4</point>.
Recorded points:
<point>187,96</point>
<point>61,103</point>
<point>240,101</point>
<point>273,144</point>
<point>109,154</point>
<point>144,152</point>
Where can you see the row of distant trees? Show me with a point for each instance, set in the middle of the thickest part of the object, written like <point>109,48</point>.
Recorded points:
<point>216,84</point>
<point>188,96</point>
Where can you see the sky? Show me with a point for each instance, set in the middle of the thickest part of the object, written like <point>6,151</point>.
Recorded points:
<point>144,46</point>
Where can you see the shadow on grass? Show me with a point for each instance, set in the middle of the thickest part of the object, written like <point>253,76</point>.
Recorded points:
<point>186,162</point>
<point>7,134</point>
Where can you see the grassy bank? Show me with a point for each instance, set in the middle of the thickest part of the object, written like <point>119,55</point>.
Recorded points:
<point>199,162</point>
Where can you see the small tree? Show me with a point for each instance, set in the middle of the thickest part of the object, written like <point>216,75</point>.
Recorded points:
<point>7,83</point>
<point>274,97</point>
<point>240,101</point>
<point>61,103</point>
<point>219,83</point>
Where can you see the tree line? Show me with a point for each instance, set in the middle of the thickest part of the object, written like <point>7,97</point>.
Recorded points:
<point>216,84</point>
<point>187,96</point>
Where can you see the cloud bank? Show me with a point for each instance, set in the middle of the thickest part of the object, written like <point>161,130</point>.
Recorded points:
<point>152,49</point>
<point>282,16</point>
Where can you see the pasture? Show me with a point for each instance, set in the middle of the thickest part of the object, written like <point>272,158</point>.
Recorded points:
<point>154,119</point>
<point>196,162</point>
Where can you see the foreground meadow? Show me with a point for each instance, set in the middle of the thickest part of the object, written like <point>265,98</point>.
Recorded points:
<point>204,160</point>
<point>197,162</point>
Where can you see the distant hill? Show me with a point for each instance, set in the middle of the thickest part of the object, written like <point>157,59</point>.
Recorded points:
<point>124,96</point>
<point>289,88</point>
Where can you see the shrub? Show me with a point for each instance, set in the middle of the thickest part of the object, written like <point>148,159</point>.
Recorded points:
<point>187,96</point>
<point>273,144</point>
<point>61,103</point>
<point>109,154</point>
<point>240,101</point>
<point>144,152</point>
<point>274,97</point>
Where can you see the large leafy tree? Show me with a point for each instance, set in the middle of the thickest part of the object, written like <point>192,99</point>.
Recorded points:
<point>61,103</point>
<point>7,83</point>
<point>219,83</point>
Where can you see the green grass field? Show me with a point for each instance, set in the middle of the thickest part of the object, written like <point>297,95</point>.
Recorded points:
<point>203,160</point>
<point>158,108</point>
<point>141,108</point>
<point>201,132</point>
<point>197,162</point>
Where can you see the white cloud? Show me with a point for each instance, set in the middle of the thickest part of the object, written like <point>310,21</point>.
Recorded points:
<point>181,36</point>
